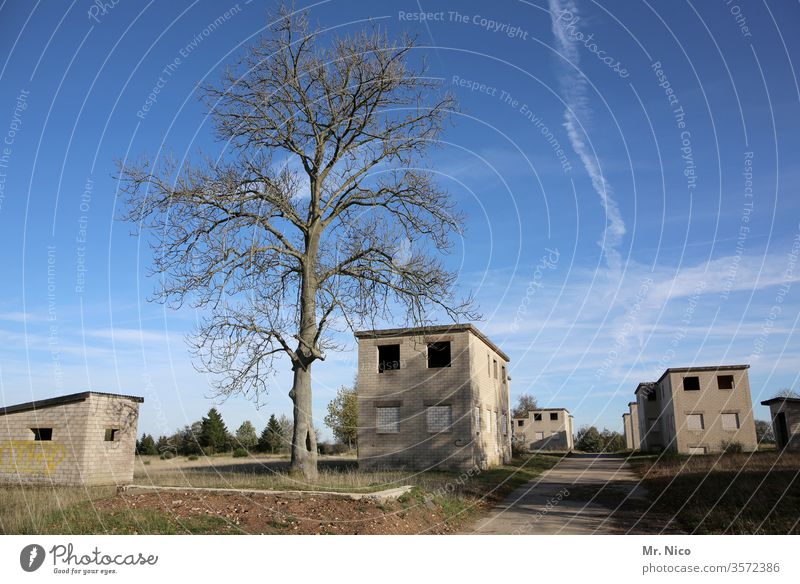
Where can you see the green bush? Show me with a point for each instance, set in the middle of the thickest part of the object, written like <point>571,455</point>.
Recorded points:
<point>732,447</point>
<point>239,453</point>
<point>167,455</point>
<point>192,457</point>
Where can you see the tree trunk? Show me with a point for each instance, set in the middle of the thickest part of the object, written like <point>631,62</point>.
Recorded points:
<point>304,439</point>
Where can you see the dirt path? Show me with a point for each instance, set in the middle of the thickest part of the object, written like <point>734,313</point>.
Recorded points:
<point>582,494</point>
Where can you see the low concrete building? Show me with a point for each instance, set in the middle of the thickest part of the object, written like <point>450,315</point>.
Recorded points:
<point>84,438</point>
<point>433,396</point>
<point>785,415</point>
<point>697,410</point>
<point>630,425</point>
<point>545,429</point>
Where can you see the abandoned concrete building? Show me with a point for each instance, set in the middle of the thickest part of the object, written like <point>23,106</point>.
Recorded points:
<point>785,415</point>
<point>433,396</point>
<point>84,438</point>
<point>630,425</point>
<point>697,410</point>
<point>545,429</point>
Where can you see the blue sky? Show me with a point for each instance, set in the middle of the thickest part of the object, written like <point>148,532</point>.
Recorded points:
<point>629,172</point>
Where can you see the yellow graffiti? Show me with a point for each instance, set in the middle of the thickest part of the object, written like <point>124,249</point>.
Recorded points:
<point>30,457</point>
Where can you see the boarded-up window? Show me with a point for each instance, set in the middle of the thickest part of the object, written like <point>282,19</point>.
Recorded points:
<point>388,358</point>
<point>388,419</point>
<point>476,413</point>
<point>725,381</point>
<point>439,418</point>
<point>694,422</point>
<point>538,436</point>
<point>730,421</point>
<point>504,422</point>
<point>697,450</point>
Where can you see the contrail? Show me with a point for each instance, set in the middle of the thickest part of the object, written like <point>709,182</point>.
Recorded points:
<point>573,87</point>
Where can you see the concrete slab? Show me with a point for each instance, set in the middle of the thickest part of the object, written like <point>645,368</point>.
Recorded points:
<point>385,495</point>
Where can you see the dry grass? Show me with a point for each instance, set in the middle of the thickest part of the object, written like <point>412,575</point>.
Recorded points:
<point>733,493</point>
<point>272,473</point>
<point>27,510</point>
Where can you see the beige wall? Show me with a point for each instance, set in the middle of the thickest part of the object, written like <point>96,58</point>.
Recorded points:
<point>464,386</point>
<point>555,434</point>
<point>78,452</point>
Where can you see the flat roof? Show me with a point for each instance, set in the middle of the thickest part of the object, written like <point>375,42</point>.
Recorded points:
<point>62,400</point>
<point>431,330</point>
<point>772,400</point>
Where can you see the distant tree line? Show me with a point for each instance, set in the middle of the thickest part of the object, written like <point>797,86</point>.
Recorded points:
<point>590,439</point>
<point>210,435</point>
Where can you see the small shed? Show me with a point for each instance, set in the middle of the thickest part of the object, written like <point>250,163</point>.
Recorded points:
<point>785,414</point>
<point>84,438</point>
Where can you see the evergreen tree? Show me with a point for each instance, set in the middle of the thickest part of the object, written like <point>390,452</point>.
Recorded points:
<point>162,445</point>
<point>272,438</point>
<point>214,433</point>
<point>246,436</point>
<point>146,445</point>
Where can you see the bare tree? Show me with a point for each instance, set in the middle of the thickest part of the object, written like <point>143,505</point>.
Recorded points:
<point>320,215</point>
<point>525,402</point>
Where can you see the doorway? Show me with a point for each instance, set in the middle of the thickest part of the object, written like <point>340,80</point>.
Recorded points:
<point>781,430</point>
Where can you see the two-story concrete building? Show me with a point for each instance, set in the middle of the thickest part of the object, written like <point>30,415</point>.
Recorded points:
<point>696,410</point>
<point>434,396</point>
<point>84,438</point>
<point>545,429</point>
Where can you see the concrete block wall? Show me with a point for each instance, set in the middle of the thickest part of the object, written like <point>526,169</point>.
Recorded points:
<point>60,460</point>
<point>78,453</point>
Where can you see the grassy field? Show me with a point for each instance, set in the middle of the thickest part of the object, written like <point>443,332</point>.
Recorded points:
<point>744,493</point>
<point>444,499</point>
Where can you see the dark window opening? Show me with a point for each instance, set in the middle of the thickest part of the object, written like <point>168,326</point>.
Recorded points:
<point>725,381</point>
<point>388,358</point>
<point>495,368</point>
<point>553,415</point>
<point>691,383</point>
<point>111,434</point>
<point>537,417</point>
<point>652,396</point>
<point>42,433</point>
<point>504,373</point>
<point>520,422</point>
<point>439,354</point>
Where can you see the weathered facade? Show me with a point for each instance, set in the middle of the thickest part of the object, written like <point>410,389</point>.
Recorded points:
<point>697,410</point>
<point>630,424</point>
<point>432,397</point>
<point>545,429</point>
<point>785,415</point>
<point>79,439</point>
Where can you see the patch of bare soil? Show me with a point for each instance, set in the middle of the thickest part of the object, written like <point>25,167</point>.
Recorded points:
<point>264,514</point>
